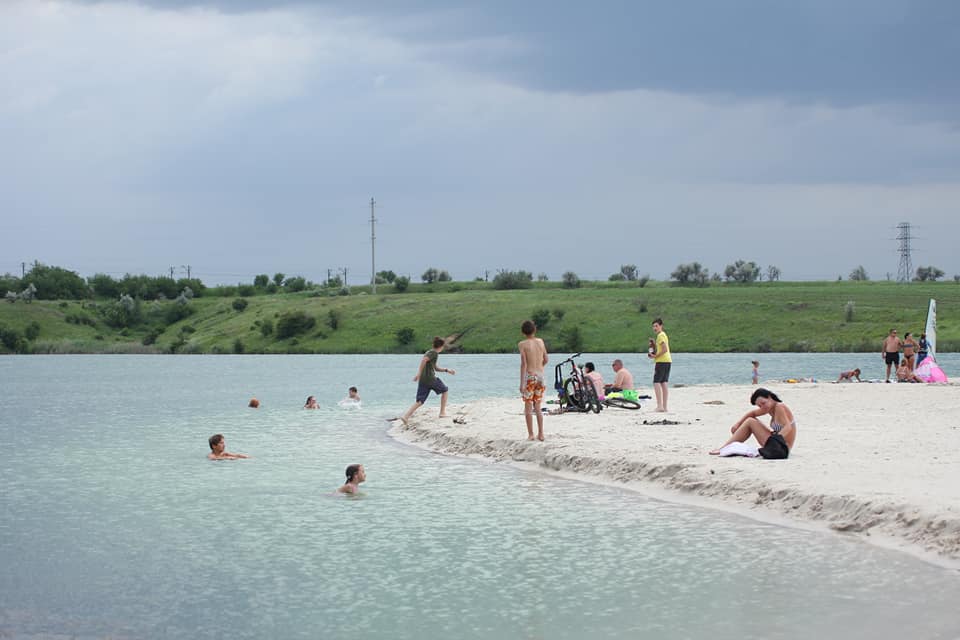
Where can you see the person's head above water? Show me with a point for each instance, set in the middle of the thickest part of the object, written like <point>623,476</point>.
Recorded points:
<point>214,441</point>
<point>254,403</point>
<point>355,474</point>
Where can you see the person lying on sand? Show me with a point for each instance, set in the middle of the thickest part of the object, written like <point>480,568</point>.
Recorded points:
<point>850,375</point>
<point>355,475</point>
<point>781,421</point>
<point>218,445</point>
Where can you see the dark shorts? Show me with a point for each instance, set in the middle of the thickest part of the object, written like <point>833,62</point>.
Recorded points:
<point>893,357</point>
<point>661,372</point>
<point>423,390</point>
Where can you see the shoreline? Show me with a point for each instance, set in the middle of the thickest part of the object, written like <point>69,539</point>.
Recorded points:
<point>869,459</point>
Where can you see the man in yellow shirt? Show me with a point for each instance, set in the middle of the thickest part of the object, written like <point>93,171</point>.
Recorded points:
<point>661,367</point>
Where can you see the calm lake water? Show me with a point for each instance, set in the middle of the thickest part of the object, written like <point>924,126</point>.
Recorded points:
<point>114,524</point>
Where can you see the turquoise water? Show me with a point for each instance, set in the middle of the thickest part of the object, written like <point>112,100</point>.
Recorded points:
<point>115,525</point>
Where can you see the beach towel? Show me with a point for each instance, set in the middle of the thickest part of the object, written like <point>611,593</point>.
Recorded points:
<point>738,449</point>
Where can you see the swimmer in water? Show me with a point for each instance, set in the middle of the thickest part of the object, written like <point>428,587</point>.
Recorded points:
<point>218,450</point>
<point>355,475</point>
<point>311,403</point>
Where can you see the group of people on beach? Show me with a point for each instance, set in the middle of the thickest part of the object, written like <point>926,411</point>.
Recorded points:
<point>914,351</point>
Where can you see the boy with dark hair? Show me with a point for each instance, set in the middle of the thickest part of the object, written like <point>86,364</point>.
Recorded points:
<point>428,381</point>
<point>217,449</point>
<point>533,357</point>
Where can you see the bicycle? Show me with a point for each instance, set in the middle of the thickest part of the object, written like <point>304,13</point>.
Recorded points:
<point>577,392</point>
<point>616,399</point>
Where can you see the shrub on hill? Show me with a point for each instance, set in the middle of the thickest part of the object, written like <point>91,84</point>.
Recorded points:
<point>294,323</point>
<point>512,280</point>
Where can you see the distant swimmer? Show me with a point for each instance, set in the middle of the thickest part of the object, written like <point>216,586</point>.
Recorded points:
<point>352,399</point>
<point>355,475</point>
<point>849,376</point>
<point>311,403</point>
<point>756,371</point>
<point>218,450</point>
<point>254,403</point>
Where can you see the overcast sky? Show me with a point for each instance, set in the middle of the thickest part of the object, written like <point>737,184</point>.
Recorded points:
<point>243,137</point>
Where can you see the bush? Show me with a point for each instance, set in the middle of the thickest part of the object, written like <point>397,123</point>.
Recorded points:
<point>12,340</point>
<point>176,312</point>
<point>512,280</point>
<point>55,283</point>
<point>294,323</point>
<point>443,276</point>
<point>295,284</point>
<point>643,280</point>
<point>741,271</point>
<point>542,277</point>
<point>859,274</point>
<point>386,277</point>
<point>559,313</point>
<point>125,312</point>
<point>261,281</point>
<point>429,276</point>
<point>692,273</point>
<point>616,277</point>
<point>240,304</point>
<point>333,319</point>
<point>928,274</point>
<point>266,328</point>
<point>571,280</point>
<point>848,311</point>
<point>32,332</point>
<point>151,336</point>
<point>401,283</point>
<point>246,290</point>
<point>238,346</point>
<point>405,335</point>
<point>541,318</point>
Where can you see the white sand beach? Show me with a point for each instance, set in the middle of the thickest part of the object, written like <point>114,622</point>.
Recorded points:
<point>873,460</point>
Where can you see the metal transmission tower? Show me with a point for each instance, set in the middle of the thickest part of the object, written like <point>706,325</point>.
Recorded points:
<point>905,272</point>
<point>373,248</point>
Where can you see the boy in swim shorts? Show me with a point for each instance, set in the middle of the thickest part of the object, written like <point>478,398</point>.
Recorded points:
<point>533,357</point>
<point>428,381</point>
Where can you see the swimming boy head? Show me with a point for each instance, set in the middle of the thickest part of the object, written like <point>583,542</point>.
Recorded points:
<point>218,447</point>
<point>217,443</point>
<point>353,393</point>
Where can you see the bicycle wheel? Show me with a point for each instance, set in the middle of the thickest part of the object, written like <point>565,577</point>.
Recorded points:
<point>623,403</point>
<point>592,401</point>
<point>576,399</point>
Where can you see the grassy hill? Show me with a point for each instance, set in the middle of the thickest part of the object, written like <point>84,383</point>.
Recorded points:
<point>615,317</point>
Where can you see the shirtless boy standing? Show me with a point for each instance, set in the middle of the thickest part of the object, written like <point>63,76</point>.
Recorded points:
<point>533,357</point>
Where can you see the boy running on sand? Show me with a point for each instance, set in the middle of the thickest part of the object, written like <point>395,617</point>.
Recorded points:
<point>428,381</point>
<point>533,357</point>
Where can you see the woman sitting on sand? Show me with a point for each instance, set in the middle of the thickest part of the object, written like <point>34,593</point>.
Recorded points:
<point>905,375</point>
<point>781,421</point>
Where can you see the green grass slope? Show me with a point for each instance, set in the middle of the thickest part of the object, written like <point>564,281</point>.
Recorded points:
<point>757,318</point>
